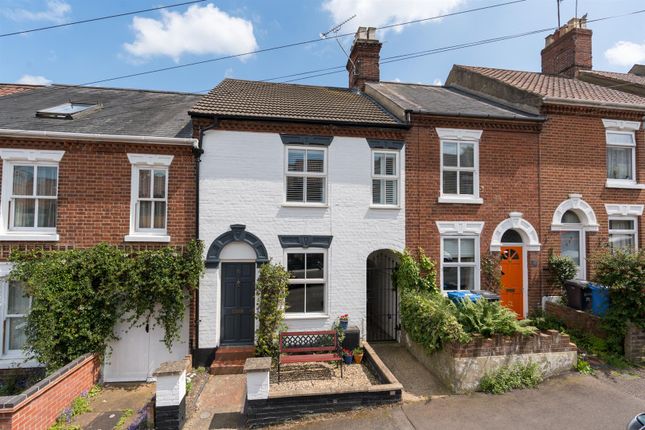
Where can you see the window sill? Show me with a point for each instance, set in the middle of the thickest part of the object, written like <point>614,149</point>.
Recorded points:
<point>146,238</point>
<point>468,200</point>
<point>305,205</point>
<point>390,207</point>
<point>29,237</point>
<point>630,185</point>
<point>316,316</point>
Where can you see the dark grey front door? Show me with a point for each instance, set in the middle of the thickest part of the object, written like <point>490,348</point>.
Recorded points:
<point>238,303</point>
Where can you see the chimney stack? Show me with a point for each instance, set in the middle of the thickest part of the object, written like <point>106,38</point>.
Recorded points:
<point>568,50</point>
<point>638,70</point>
<point>363,62</point>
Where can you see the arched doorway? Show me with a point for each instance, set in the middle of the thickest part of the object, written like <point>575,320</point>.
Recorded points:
<point>513,238</point>
<point>382,297</point>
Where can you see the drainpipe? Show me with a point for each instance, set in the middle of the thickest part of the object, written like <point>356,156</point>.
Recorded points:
<point>198,151</point>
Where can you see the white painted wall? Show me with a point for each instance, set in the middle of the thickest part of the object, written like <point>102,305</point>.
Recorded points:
<point>242,182</point>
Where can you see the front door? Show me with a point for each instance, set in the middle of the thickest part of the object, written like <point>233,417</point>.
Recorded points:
<point>238,303</point>
<point>512,290</point>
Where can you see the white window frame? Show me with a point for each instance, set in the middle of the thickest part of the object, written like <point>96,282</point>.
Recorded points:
<point>5,318</point>
<point>324,281</point>
<point>287,173</point>
<point>147,162</point>
<point>383,178</point>
<point>626,128</point>
<point>451,135</point>
<point>633,231</point>
<point>25,157</point>
<point>461,230</point>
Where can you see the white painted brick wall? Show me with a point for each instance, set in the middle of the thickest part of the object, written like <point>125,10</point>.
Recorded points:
<point>242,182</point>
<point>171,389</point>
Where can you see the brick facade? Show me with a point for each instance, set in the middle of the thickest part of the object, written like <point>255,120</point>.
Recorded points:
<point>38,407</point>
<point>508,179</point>
<point>568,50</point>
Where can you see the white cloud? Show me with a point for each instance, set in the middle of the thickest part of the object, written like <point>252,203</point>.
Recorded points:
<point>199,30</point>
<point>437,82</point>
<point>33,80</point>
<point>376,13</point>
<point>626,53</point>
<point>56,11</point>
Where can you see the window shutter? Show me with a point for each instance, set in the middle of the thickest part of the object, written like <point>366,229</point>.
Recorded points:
<point>295,189</point>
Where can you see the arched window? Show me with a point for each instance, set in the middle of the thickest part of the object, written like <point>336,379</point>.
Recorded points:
<point>570,217</point>
<point>511,236</point>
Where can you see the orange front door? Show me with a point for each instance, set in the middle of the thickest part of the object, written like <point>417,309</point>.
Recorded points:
<point>512,291</point>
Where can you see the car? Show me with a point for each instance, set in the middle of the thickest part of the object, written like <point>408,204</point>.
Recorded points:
<point>637,423</point>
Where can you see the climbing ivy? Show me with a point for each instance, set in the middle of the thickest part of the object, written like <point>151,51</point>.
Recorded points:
<point>78,296</point>
<point>271,289</point>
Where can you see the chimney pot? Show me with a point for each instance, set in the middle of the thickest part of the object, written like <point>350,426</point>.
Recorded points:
<point>568,50</point>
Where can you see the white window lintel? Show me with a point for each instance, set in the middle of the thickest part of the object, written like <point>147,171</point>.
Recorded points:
<point>615,124</point>
<point>624,209</point>
<point>459,134</point>
<point>150,159</point>
<point>32,155</point>
<point>458,228</point>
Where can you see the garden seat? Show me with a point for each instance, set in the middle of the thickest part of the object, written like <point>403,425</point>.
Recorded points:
<point>309,347</point>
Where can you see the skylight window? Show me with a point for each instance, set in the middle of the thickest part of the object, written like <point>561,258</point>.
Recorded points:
<point>68,110</point>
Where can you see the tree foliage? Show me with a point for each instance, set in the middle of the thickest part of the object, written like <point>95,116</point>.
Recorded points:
<point>271,291</point>
<point>563,268</point>
<point>78,296</point>
<point>624,274</point>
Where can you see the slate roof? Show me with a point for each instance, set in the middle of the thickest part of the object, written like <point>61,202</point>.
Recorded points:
<point>265,100</point>
<point>432,99</point>
<point>557,87</point>
<point>124,111</point>
<point>6,89</point>
<point>624,77</point>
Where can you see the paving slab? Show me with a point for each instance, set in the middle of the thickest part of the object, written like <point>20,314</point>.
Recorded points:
<point>112,401</point>
<point>418,383</point>
<point>220,404</point>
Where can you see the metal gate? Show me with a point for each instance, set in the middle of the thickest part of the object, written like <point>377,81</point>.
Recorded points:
<point>382,300</point>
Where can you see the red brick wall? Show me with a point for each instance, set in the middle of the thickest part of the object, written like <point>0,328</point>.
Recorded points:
<point>573,160</point>
<point>575,319</point>
<point>94,190</point>
<point>40,410</point>
<point>508,182</point>
<point>542,342</point>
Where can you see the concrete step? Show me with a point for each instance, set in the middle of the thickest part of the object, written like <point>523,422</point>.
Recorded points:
<point>229,360</point>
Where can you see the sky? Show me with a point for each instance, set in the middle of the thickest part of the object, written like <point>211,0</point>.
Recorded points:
<point>137,43</point>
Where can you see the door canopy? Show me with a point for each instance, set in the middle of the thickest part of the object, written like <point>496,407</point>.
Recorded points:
<point>530,238</point>
<point>237,233</point>
<point>581,208</point>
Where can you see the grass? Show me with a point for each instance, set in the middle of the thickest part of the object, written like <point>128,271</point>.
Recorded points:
<point>126,414</point>
<point>507,378</point>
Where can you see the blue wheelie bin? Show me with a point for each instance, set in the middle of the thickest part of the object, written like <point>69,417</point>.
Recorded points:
<point>458,296</point>
<point>599,299</point>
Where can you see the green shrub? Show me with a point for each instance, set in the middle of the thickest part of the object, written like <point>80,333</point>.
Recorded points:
<point>491,270</point>
<point>415,274</point>
<point>430,319</point>
<point>80,295</point>
<point>508,378</point>
<point>489,319</point>
<point>271,290</point>
<point>80,405</point>
<point>562,269</point>
<point>624,274</point>
<point>583,366</point>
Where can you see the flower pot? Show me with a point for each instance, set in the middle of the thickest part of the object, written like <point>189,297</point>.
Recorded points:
<point>343,325</point>
<point>358,358</point>
<point>348,359</point>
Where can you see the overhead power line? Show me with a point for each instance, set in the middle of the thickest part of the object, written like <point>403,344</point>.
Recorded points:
<point>100,18</point>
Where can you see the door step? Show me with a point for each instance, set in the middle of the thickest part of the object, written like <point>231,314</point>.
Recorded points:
<point>229,360</point>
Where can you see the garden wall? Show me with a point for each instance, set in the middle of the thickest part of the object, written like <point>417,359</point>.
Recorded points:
<point>575,319</point>
<point>635,344</point>
<point>38,407</point>
<point>263,408</point>
<point>461,366</point>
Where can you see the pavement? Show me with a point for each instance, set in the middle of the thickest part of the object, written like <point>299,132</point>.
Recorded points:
<point>220,404</point>
<point>112,403</point>
<point>573,401</point>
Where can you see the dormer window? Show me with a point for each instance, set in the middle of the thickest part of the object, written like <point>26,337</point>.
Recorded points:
<point>68,110</point>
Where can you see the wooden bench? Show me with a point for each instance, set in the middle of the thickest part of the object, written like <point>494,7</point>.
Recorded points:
<point>309,347</point>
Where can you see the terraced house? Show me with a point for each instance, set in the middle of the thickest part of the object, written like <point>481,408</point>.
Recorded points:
<point>81,166</point>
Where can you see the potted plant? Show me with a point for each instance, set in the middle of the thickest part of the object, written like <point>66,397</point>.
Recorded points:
<point>347,356</point>
<point>344,320</point>
<point>358,354</point>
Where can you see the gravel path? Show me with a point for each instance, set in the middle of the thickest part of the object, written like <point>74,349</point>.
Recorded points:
<point>308,376</point>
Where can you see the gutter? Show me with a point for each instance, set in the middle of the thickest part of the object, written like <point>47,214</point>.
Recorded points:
<point>330,122</point>
<point>608,105</point>
<point>95,137</point>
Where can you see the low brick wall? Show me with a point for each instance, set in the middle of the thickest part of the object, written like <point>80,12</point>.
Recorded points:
<point>38,407</point>
<point>575,319</point>
<point>284,407</point>
<point>635,344</point>
<point>461,366</point>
